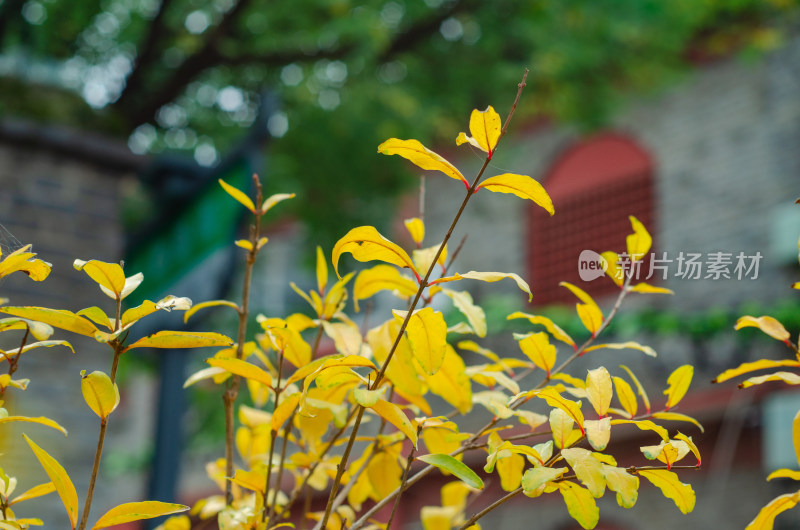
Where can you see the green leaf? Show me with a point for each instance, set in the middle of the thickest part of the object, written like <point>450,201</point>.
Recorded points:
<point>451,465</point>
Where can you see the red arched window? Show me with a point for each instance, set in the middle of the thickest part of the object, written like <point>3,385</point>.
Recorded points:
<point>595,185</point>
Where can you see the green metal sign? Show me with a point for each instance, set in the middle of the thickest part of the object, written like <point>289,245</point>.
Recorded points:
<point>184,242</point>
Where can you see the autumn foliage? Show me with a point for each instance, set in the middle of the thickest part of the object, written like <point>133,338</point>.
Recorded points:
<point>302,416</point>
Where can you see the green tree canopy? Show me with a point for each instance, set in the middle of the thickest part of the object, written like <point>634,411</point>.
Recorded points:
<point>186,74</point>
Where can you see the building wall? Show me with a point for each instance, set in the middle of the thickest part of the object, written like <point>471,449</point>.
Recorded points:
<point>726,147</point>
<point>63,196</point>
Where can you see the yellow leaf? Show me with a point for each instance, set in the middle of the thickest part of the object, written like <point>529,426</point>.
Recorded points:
<point>766,517</point>
<point>536,477</point>
<point>239,195</point>
<point>552,327</point>
<point>252,480</point>
<point>587,468</point>
<point>787,377</point>
<point>401,371</point>
<point>366,244</point>
<point>674,416</point>
<point>61,319</point>
<point>598,388</point>
<point>181,339</point>
<point>60,479</point>
<point>272,200</point>
<point>41,420</point>
<point>622,346</point>
<point>100,393</point>
<point>678,382</point>
<point>108,275</point>
<point>646,425</point>
<point>640,389</point>
<point>21,260</point>
<point>395,415</point>
<point>796,435</point>
<point>672,488</point>
<point>39,330</point>
<point>538,349</point>
<point>555,399</point>
<point>625,484</point>
<point>420,156</point>
<point>243,243</point>
<point>136,511</point>
<point>322,271</point>
<point>131,283</point>
<point>484,125</point>
<point>205,373</point>
<point>427,334</point>
<point>416,228</point>
<point>761,364</point>
<point>437,517</point>
<point>451,382</point>
<point>649,289</point>
<point>488,277</point>
<point>588,311</point>
<point>692,447</point>
<point>168,303</point>
<point>384,474</point>
<point>784,473</point>
<point>767,324</point>
<point>40,344</point>
<point>211,303</point>
<point>474,347</point>
<point>462,300</point>
<point>626,396</point>
<point>510,471</point>
<point>243,369</point>
<point>36,491</point>
<point>580,504</point>
<point>284,410</point>
<point>610,263</point>
<point>382,277</point>
<point>639,241</point>
<point>522,186</point>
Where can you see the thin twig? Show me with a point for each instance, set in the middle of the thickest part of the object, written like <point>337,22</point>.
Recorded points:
<point>409,460</point>
<point>268,510</point>
<point>232,389</point>
<point>489,508</point>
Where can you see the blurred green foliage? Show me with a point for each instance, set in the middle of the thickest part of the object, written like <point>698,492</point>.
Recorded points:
<point>186,75</point>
